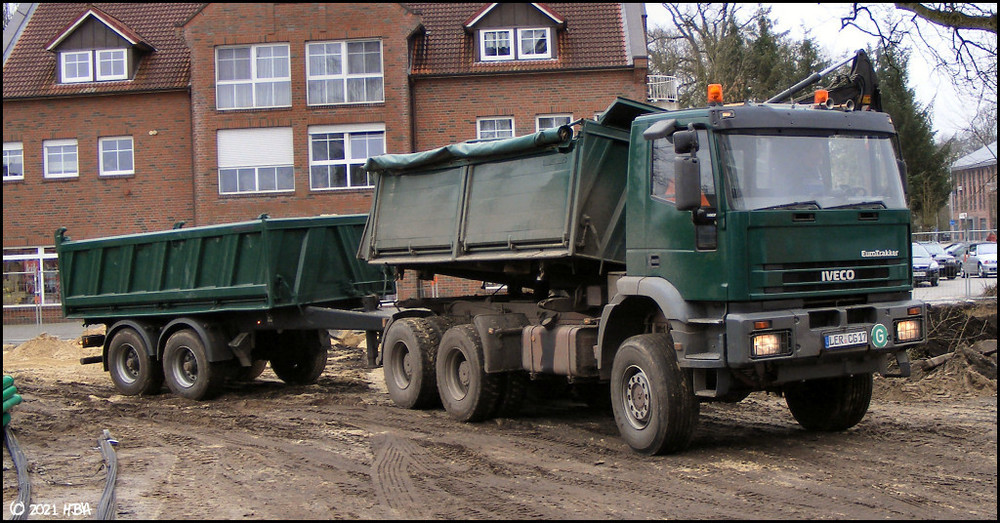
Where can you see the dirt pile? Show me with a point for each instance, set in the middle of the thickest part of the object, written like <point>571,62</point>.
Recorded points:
<point>951,326</point>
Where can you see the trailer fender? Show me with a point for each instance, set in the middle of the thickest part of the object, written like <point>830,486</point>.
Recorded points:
<point>627,314</point>
<point>148,332</point>
<point>210,333</point>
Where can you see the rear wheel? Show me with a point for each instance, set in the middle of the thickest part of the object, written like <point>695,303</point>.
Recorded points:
<point>467,392</point>
<point>410,347</point>
<point>300,357</point>
<point>830,404</point>
<point>131,368</point>
<point>652,398</point>
<point>250,373</point>
<point>186,368</point>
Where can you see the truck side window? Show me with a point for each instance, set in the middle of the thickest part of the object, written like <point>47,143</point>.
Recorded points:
<point>662,182</point>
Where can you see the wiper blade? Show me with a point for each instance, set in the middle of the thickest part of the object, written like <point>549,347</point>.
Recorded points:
<point>874,204</point>
<point>808,204</point>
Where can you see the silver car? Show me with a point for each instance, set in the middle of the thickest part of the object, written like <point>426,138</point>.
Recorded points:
<point>980,260</point>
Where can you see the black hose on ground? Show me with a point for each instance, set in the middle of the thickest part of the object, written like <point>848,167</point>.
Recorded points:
<point>18,510</point>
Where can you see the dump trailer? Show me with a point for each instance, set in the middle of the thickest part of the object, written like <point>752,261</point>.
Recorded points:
<point>196,306</point>
<point>661,258</point>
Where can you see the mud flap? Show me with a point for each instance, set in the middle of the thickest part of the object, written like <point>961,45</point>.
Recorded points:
<point>902,359</point>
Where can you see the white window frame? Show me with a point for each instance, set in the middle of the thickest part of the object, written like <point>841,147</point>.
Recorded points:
<point>13,150</point>
<point>345,76</point>
<point>115,56</point>
<point>521,55</point>
<point>46,152</point>
<point>480,132</point>
<point>67,78</point>
<point>255,79</point>
<point>499,57</point>
<point>104,170</point>
<point>538,120</point>
<point>42,276</point>
<point>255,153</point>
<point>352,158</point>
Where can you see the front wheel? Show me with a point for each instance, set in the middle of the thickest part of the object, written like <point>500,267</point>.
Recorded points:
<point>652,398</point>
<point>186,368</point>
<point>830,404</point>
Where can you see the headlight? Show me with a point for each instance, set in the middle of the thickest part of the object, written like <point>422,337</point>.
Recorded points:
<point>908,330</point>
<point>934,265</point>
<point>774,343</point>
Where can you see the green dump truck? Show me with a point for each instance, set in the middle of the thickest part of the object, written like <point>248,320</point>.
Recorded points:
<point>671,257</point>
<point>196,306</point>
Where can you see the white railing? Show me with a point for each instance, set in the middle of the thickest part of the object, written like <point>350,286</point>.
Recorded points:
<point>662,88</point>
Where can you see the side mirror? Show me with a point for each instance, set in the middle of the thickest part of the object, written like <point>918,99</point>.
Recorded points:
<point>685,142</point>
<point>687,185</point>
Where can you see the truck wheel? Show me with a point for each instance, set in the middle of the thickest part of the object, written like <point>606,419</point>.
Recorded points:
<point>652,398</point>
<point>132,370</point>
<point>830,404</point>
<point>467,392</point>
<point>301,356</point>
<point>411,348</point>
<point>249,373</point>
<point>186,368</point>
<point>513,391</point>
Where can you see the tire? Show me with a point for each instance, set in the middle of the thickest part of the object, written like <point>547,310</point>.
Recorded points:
<point>132,370</point>
<point>250,373</point>
<point>467,392</point>
<point>934,282</point>
<point>982,273</point>
<point>300,357</point>
<point>410,347</point>
<point>652,398</point>
<point>831,404</point>
<point>186,368</point>
<point>513,392</point>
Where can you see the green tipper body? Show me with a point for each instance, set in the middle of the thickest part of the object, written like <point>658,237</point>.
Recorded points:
<point>247,266</point>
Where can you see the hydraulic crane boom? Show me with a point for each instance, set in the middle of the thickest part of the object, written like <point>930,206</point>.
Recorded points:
<point>857,90</point>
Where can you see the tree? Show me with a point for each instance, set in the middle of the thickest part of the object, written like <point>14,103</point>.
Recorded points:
<point>928,180</point>
<point>960,37</point>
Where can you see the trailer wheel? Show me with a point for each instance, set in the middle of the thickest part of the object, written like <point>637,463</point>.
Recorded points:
<point>301,357</point>
<point>408,364</point>
<point>830,404</point>
<point>249,373</point>
<point>132,370</point>
<point>652,398</point>
<point>467,392</point>
<point>186,368</point>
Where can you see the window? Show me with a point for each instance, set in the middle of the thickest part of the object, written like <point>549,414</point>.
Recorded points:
<point>496,45</point>
<point>13,161</point>
<point>256,76</point>
<point>663,171</point>
<point>76,67</point>
<point>344,72</point>
<point>337,155</point>
<point>548,121</point>
<point>533,44</point>
<point>116,156</point>
<point>60,158</point>
<point>256,160</point>
<point>495,128</point>
<point>30,277</point>
<point>111,65</point>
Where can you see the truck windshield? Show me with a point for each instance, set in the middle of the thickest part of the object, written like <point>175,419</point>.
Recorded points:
<point>839,171</point>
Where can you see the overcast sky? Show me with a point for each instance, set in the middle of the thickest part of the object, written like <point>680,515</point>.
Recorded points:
<point>823,22</point>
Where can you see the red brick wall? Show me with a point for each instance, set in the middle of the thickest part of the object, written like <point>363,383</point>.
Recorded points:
<point>154,198</point>
<point>294,24</point>
<point>447,108</point>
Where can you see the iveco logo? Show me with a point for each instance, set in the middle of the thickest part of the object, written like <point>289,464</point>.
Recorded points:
<point>838,275</point>
<point>888,253</point>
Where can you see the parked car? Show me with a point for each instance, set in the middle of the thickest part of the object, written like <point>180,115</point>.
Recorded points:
<point>950,267</point>
<point>981,260</point>
<point>925,269</point>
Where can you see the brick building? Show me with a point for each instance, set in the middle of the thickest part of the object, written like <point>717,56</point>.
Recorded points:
<point>122,118</point>
<point>974,194</point>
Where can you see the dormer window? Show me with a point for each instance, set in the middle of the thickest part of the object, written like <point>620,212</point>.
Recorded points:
<point>111,65</point>
<point>496,44</point>
<point>96,47</point>
<point>102,65</point>
<point>513,32</point>
<point>533,44</point>
<point>77,66</point>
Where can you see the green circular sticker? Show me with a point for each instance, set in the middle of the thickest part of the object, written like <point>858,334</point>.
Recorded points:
<point>880,336</point>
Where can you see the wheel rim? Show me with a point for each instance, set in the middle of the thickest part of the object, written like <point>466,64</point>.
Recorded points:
<point>127,363</point>
<point>402,365</point>
<point>185,367</point>
<point>636,397</point>
<point>459,374</point>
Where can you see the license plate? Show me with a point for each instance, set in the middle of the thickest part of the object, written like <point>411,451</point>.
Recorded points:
<point>845,339</point>
<point>919,273</point>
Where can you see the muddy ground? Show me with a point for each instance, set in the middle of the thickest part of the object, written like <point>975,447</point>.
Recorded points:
<point>340,449</point>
